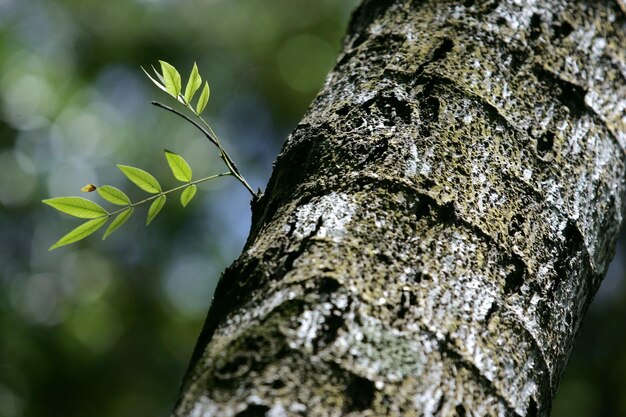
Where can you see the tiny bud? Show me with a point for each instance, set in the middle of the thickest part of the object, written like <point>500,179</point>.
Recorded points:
<point>88,188</point>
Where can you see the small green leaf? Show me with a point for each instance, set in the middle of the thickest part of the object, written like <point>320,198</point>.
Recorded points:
<point>77,207</point>
<point>113,195</point>
<point>158,84</point>
<point>195,82</point>
<point>180,168</point>
<point>141,178</point>
<point>80,232</point>
<point>118,221</point>
<point>187,195</point>
<point>171,78</point>
<point>155,208</point>
<point>204,98</point>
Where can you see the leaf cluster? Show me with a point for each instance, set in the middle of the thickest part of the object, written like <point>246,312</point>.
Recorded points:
<point>168,80</point>
<point>86,209</point>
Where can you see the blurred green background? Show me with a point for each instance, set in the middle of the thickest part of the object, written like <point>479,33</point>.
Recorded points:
<point>106,328</point>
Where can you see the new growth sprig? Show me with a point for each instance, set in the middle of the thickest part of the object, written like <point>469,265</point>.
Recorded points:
<point>169,80</point>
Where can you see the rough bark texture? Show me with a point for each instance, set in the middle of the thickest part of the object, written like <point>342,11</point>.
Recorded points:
<point>436,225</point>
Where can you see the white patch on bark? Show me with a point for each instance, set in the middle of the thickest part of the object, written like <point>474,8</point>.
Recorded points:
<point>528,173</point>
<point>415,164</point>
<point>203,407</point>
<point>376,29</point>
<point>297,407</point>
<point>335,211</point>
<point>428,401</point>
<point>310,322</point>
<point>547,118</point>
<point>578,134</point>
<point>277,411</point>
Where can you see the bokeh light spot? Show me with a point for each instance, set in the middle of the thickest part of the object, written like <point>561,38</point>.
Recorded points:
<point>17,179</point>
<point>28,100</point>
<point>39,299</point>
<point>10,404</point>
<point>96,326</point>
<point>86,275</point>
<point>189,283</point>
<point>304,61</point>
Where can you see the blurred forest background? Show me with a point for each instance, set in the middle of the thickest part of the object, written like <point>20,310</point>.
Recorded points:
<point>106,328</point>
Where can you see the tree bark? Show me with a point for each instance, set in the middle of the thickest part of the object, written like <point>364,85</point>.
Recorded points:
<point>437,224</point>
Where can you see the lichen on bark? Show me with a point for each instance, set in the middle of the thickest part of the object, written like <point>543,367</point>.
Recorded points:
<point>436,225</point>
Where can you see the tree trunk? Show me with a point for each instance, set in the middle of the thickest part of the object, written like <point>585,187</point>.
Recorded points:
<point>436,225</point>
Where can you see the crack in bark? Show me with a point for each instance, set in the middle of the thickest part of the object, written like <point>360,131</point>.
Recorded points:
<point>571,95</point>
<point>302,245</point>
<point>440,79</point>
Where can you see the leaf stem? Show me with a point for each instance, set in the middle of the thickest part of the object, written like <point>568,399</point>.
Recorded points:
<point>212,137</point>
<point>189,119</point>
<point>152,197</point>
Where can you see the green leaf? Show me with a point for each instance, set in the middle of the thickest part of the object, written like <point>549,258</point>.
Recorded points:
<point>77,207</point>
<point>118,221</point>
<point>204,98</point>
<point>113,195</point>
<point>158,84</point>
<point>195,82</point>
<point>155,208</point>
<point>171,79</point>
<point>187,195</point>
<point>141,178</point>
<point>80,232</point>
<point>180,168</point>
